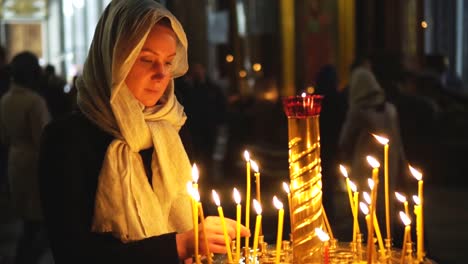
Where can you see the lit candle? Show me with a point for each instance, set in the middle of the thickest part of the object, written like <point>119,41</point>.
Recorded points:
<point>237,199</point>
<point>356,229</point>
<point>193,193</point>
<point>256,170</point>
<point>348,187</point>
<point>258,222</point>
<point>400,197</point>
<point>420,248</point>
<point>223,223</point>
<point>324,238</point>
<point>375,221</point>
<point>327,223</point>
<point>279,234</point>
<point>384,141</point>
<point>370,238</point>
<point>205,239</point>
<point>419,231</point>
<point>288,192</point>
<point>247,200</point>
<point>407,222</point>
<point>375,178</point>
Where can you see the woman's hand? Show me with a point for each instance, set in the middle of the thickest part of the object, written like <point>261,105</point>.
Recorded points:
<point>214,236</point>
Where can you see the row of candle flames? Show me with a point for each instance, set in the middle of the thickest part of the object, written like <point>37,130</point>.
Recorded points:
<point>368,208</point>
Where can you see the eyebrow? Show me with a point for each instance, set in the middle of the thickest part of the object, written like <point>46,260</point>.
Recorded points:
<point>154,52</point>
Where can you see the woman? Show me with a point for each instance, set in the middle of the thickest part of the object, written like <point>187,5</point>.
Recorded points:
<point>113,176</point>
<point>369,113</point>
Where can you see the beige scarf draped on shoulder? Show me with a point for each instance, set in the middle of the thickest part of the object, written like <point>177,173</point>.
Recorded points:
<point>126,204</point>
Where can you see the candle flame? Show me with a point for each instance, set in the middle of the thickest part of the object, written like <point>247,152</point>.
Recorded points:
<point>278,204</point>
<point>216,198</point>
<point>364,208</point>
<point>303,95</point>
<point>344,171</point>
<point>416,174</point>
<point>367,197</point>
<point>416,200</point>
<point>373,162</point>
<point>196,195</point>
<point>324,237</point>
<point>380,139</point>
<point>286,188</point>
<point>400,197</point>
<point>352,186</point>
<point>371,183</point>
<point>236,195</point>
<point>246,156</point>
<point>190,188</point>
<point>195,174</point>
<point>254,165</point>
<point>257,206</point>
<point>405,219</point>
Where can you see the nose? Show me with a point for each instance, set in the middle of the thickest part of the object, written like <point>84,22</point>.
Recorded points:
<point>159,71</point>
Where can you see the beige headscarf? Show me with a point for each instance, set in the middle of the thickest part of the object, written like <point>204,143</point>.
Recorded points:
<point>364,89</point>
<point>126,205</point>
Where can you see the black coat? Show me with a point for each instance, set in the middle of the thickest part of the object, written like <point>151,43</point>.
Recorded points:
<point>71,156</point>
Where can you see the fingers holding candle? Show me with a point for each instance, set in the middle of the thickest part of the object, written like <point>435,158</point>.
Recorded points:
<point>215,234</point>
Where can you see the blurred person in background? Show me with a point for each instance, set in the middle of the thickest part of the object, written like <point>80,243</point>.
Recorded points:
<point>23,115</point>
<point>4,84</point>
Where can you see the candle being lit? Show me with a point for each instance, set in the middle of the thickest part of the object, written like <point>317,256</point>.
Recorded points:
<point>279,234</point>
<point>407,222</point>
<point>258,222</point>
<point>237,199</point>
<point>202,223</point>
<point>420,247</point>
<point>247,200</point>
<point>324,238</point>
<point>384,141</point>
<point>288,192</point>
<point>223,223</point>
<point>192,192</point>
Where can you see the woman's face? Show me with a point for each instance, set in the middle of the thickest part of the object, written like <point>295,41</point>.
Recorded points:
<point>150,74</point>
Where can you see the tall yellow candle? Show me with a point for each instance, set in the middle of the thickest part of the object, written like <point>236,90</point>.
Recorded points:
<point>348,187</point>
<point>420,247</point>
<point>379,235</point>
<point>195,198</point>
<point>407,223</point>
<point>400,197</point>
<point>247,200</point>
<point>288,192</point>
<point>356,229</point>
<point>327,223</point>
<point>258,222</point>
<point>384,141</point>
<point>419,231</point>
<point>192,192</point>
<point>223,223</point>
<point>256,170</point>
<point>370,237</point>
<point>375,177</point>
<point>279,234</point>
<point>205,239</point>
<point>237,199</point>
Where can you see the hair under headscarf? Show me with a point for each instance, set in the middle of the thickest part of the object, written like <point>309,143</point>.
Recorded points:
<point>126,205</point>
